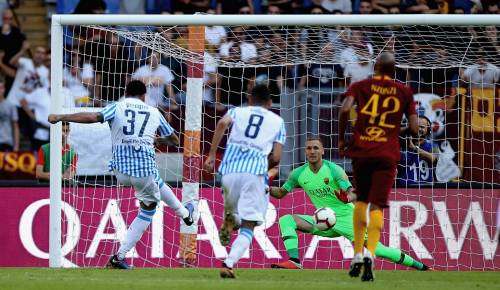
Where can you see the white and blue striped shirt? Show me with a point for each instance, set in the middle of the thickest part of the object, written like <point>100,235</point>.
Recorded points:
<point>253,132</point>
<point>134,126</point>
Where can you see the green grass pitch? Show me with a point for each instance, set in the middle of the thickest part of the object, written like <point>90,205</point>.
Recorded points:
<point>255,279</point>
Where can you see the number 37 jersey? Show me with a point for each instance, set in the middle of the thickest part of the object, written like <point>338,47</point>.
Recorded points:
<point>134,126</point>
<point>381,103</point>
<point>253,132</point>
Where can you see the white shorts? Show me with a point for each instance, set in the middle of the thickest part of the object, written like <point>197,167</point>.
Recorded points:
<point>146,188</point>
<point>245,195</point>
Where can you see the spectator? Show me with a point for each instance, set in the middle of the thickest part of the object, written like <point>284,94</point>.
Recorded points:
<point>79,78</point>
<point>11,42</point>
<point>422,6</point>
<point>266,75</point>
<point>418,157</point>
<point>273,10</point>
<point>365,7</point>
<point>247,50</point>
<point>232,82</point>
<point>69,158</point>
<point>133,7</point>
<point>215,34</point>
<point>323,77</point>
<point>209,77</point>
<point>158,79</point>
<point>442,7</point>
<point>90,7</point>
<point>245,10</point>
<point>4,5</point>
<point>360,70</point>
<point>112,67</point>
<point>31,73</point>
<point>189,6</point>
<point>492,8</point>
<point>330,5</point>
<point>9,129</point>
<point>354,41</point>
<point>483,74</point>
<point>394,10</point>
<point>232,6</point>
<point>36,105</point>
<point>284,6</point>
<point>382,6</point>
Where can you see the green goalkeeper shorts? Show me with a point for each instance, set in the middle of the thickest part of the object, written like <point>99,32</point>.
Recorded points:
<point>343,228</point>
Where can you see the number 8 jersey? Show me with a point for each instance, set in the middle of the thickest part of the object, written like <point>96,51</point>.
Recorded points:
<point>253,132</point>
<point>134,126</point>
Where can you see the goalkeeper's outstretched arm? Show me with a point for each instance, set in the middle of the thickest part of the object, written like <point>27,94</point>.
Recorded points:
<point>83,117</point>
<point>277,192</point>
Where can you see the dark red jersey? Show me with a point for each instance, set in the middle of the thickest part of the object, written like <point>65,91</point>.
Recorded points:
<point>381,103</point>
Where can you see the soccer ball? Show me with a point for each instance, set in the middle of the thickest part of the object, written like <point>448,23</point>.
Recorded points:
<point>324,218</point>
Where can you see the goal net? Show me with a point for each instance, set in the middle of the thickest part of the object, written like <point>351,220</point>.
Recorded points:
<point>444,202</point>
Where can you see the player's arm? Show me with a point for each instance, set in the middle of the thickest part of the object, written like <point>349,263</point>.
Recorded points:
<point>277,192</point>
<point>39,173</point>
<point>107,114</point>
<point>346,193</point>
<point>69,174</point>
<point>221,128</point>
<point>275,156</point>
<point>169,137</point>
<point>290,184</point>
<point>82,117</point>
<point>343,119</point>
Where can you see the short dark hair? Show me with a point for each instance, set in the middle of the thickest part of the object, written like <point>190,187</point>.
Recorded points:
<point>429,124</point>
<point>314,138</point>
<point>260,93</point>
<point>135,88</point>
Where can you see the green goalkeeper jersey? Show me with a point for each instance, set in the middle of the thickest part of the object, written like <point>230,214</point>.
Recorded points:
<point>320,186</point>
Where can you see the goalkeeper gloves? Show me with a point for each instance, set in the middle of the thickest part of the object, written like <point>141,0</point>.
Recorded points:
<point>345,196</point>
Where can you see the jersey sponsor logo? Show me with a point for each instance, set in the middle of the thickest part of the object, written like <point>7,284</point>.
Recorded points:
<point>375,134</point>
<point>326,180</point>
<point>322,192</point>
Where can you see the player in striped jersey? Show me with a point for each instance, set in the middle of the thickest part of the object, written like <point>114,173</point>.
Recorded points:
<point>254,145</point>
<point>134,126</point>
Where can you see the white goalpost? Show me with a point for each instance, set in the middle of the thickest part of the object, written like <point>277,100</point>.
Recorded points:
<point>309,60</point>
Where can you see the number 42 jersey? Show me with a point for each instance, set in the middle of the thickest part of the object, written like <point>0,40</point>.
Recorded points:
<point>253,132</point>
<point>134,126</point>
<point>381,103</point>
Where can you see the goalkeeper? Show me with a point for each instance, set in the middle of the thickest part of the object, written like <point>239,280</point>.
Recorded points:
<point>327,185</point>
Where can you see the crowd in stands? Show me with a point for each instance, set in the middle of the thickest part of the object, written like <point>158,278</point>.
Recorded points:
<point>98,64</point>
<point>288,6</point>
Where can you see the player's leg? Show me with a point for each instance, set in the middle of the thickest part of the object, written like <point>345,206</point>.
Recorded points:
<point>382,180</point>
<point>231,189</point>
<point>238,248</point>
<point>289,225</point>
<point>147,193</point>
<point>397,256</point>
<point>251,207</point>
<point>168,196</point>
<point>363,178</point>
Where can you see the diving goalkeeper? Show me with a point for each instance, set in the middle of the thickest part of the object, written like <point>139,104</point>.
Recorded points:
<point>327,185</point>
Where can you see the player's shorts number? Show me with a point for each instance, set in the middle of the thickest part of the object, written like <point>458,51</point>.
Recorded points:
<point>253,127</point>
<point>371,109</point>
<point>130,128</point>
